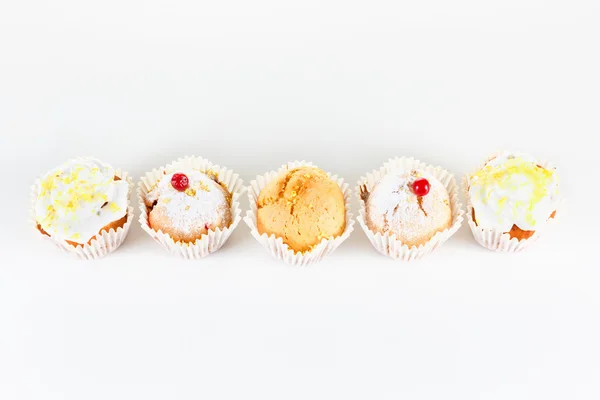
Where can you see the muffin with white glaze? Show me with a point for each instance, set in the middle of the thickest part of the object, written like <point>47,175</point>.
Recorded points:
<point>79,202</point>
<point>187,204</point>
<point>412,205</point>
<point>514,195</point>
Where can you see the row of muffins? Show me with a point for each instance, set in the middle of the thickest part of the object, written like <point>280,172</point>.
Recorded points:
<point>299,213</point>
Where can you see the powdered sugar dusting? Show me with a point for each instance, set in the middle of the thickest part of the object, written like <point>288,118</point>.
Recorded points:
<point>205,204</point>
<point>392,207</point>
<point>197,245</point>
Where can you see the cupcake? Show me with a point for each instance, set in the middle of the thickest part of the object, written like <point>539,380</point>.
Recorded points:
<point>299,213</point>
<point>83,206</point>
<point>190,206</point>
<point>408,208</point>
<point>510,199</point>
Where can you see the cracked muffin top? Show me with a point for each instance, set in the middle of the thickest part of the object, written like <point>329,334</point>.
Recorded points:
<point>303,206</point>
<point>412,205</point>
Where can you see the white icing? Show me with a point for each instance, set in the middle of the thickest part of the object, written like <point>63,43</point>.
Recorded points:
<point>206,204</point>
<point>511,189</point>
<point>78,199</point>
<point>392,207</point>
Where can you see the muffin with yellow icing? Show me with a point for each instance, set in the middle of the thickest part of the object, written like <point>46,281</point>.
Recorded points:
<point>412,205</point>
<point>77,202</point>
<point>513,194</point>
<point>187,204</point>
<point>302,206</point>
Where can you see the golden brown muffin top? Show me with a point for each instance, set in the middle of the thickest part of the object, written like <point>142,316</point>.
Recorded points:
<point>302,206</point>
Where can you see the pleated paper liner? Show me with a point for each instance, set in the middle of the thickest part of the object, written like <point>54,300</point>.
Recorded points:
<point>497,240</point>
<point>275,245</point>
<point>105,242</point>
<point>214,239</point>
<point>389,245</point>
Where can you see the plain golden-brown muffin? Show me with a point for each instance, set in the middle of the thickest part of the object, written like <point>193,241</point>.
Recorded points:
<point>302,206</point>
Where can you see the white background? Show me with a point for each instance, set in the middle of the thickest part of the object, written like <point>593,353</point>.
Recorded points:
<point>347,85</point>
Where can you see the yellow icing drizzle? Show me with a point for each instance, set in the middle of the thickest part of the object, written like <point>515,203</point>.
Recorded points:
<point>70,200</point>
<point>512,175</point>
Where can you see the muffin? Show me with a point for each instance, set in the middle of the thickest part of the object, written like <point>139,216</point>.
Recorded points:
<point>513,194</point>
<point>408,208</point>
<point>187,204</point>
<point>412,205</point>
<point>190,207</point>
<point>302,206</point>
<point>77,202</point>
<point>299,213</point>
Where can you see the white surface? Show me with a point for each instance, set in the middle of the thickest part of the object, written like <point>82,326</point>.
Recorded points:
<point>347,85</point>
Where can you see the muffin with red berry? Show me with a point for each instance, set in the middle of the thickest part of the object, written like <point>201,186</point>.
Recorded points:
<point>409,208</point>
<point>187,204</point>
<point>412,205</point>
<point>190,206</point>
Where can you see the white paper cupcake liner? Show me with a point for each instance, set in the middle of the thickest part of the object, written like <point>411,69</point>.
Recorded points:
<point>214,239</point>
<point>275,245</point>
<point>497,240</point>
<point>104,243</point>
<point>389,245</point>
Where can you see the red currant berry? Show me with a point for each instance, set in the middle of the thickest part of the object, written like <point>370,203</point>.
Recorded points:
<point>421,187</point>
<point>180,182</point>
